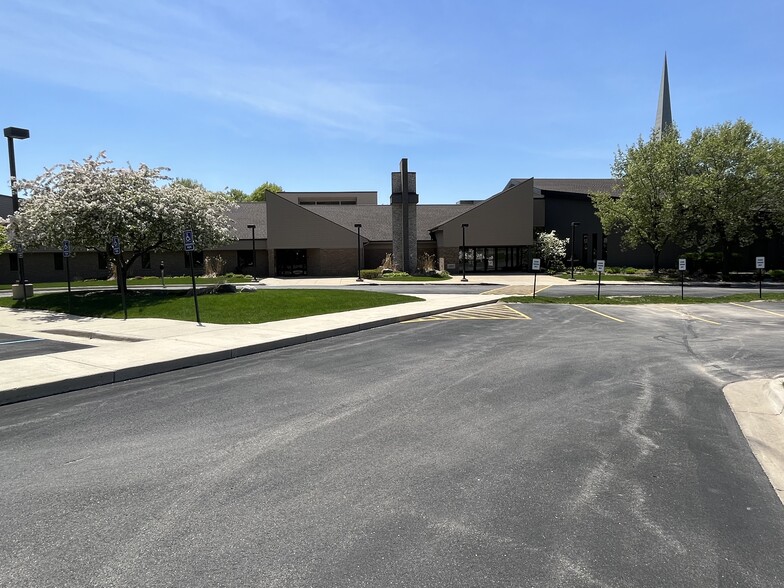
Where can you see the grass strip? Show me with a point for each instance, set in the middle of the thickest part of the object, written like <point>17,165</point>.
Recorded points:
<point>674,299</point>
<point>260,306</point>
<point>132,282</point>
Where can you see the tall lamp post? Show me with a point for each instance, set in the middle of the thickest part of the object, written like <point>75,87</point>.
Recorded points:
<point>574,224</point>
<point>464,254</point>
<point>12,133</point>
<point>358,226</point>
<point>253,247</point>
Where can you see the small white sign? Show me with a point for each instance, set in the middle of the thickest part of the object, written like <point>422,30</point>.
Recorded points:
<point>116,245</point>
<point>66,248</point>
<point>682,265</point>
<point>600,265</point>
<point>760,263</point>
<point>536,264</point>
<point>20,251</point>
<point>187,237</point>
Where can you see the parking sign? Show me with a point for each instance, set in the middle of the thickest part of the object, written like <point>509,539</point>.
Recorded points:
<point>66,248</point>
<point>535,264</point>
<point>116,245</point>
<point>682,265</point>
<point>600,265</point>
<point>187,238</point>
<point>760,263</point>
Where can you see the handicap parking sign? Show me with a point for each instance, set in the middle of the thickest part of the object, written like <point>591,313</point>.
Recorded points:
<point>187,237</point>
<point>116,245</point>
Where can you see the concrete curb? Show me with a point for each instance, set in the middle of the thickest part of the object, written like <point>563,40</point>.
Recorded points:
<point>103,376</point>
<point>757,406</point>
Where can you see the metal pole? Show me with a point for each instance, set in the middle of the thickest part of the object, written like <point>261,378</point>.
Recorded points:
<point>599,289</point>
<point>193,283</point>
<point>68,278</point>
<point>464,255</point>
<point>760,284</point>
<point>535,283</point>
<point>359,253</point>
<point>122,285</point>
<point>253,246</point>
<point>574,224</point>
<point>682,272</point>
<point>12,166</point>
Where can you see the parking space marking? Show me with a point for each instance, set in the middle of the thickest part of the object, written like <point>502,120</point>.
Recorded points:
<point>758,309</point>
<point>19,341</point>
<point>612,318</point>
<point>690,316</point>
<point>483,313</point>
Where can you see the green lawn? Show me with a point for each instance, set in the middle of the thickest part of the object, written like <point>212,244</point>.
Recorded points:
<point>676,299</point>
<point>235,308</point>
<point>594,277</point>
<point>149,282</point>
<point>412,278</point>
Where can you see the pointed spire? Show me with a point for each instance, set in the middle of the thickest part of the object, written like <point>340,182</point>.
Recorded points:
<point>663,110</point>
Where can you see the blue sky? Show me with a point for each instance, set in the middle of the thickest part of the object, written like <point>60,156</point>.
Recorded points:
<point>329,95</point>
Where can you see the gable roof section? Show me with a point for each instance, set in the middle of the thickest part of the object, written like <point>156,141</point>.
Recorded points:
<point>291,226</point>
<point>505,219</point>
<point>377,220</point>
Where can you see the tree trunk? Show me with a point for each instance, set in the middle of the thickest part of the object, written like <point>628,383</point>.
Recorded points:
<point>726,257</point>
<point>656,256</point>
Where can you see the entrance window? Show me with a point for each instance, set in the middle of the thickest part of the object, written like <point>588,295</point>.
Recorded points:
<point>291,262</point>
<point>245,258</point>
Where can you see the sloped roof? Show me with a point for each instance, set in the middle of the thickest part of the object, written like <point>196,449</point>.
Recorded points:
<point>376,221</point>
<point>250,213</point>
<point>569,185</point>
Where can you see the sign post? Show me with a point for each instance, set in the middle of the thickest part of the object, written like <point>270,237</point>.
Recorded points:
<point>117,250</point>
<point>760,268</point>
<point>682,269</point>
<point>187,239</point>
<point>600,269</point>
<point>22,279</point>
<point>535,265</point>
<point>67,256</point>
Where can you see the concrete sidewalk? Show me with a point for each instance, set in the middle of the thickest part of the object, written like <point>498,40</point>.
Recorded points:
<point>122,350</point>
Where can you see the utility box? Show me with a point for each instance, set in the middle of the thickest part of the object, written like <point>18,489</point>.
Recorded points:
<point>18,294</point>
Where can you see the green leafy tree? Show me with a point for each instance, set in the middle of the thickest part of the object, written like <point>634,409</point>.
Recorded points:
<point>648,209</point>
<point>734,188</point>
<point>90,202</point>
<point>236,195</point>
<point>259,194</point>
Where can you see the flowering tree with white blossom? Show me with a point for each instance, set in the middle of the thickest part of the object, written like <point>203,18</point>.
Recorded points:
<point>90,202</point>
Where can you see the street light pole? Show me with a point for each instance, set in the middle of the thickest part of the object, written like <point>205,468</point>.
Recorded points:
<point>574,224</point>
<point>12,133</point>
<point>464,254</point>
<point>253,247</point>
<point>358,226</point>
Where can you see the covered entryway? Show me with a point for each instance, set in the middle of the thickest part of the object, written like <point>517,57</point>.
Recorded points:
<point>291,262</point>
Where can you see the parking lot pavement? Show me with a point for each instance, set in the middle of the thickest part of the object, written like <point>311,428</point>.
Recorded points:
<point>15,346</point>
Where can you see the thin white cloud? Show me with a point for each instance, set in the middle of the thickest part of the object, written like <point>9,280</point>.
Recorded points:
<point>116,47</point>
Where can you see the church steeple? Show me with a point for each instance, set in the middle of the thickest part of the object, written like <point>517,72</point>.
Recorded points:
<point>663,110</point>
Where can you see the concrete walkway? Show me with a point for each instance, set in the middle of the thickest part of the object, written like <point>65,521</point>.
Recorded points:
<point>121,350</point>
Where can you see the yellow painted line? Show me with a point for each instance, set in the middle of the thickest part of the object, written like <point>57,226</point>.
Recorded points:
<point>612,318</point>
<point>691,316</point>
<point>476,314</point>
<point>525,316</point>
<point>543,288</point>
<point>759,309</point>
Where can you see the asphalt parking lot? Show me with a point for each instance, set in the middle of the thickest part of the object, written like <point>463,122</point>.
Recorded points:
<point>14,346</point>
<point>512,445</point>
